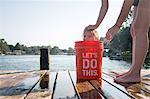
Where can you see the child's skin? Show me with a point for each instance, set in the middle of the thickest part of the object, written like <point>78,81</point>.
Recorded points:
<point>90,36</point>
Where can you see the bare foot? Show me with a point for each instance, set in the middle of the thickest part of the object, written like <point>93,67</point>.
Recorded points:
<point>128,77</point>
<point>118,75</point>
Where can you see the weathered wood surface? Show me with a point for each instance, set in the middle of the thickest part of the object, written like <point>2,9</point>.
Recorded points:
<point>138,90</point>
<point>84,89</point>
<point>64,84</point>
<point>16,86</point>
<point>64,88</point>
<point>44,88</point>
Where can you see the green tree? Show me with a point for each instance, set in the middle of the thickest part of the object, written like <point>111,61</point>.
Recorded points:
<point>55,50</point>
<point>24,48</point>
<point>4,46</point>
<point>122,40</point>
<point>11,47</point>
<point>64,51</point>
<point>71,51</point>
<point>18,47</point>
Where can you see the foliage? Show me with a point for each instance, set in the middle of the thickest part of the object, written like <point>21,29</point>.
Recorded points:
<point>70,51</point>
<point>11,47</point>
<point>55,50</point>
<point>122,41</point>
<point>4,48</point>
<point>33,50</point>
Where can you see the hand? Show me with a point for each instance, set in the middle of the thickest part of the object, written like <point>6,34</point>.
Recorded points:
<point>111,32</point>
<point>90,28</point>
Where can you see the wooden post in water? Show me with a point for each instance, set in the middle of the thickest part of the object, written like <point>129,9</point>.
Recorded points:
<point>44,59</point>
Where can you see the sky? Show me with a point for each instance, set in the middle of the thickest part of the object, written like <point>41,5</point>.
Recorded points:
<point>52,22</point>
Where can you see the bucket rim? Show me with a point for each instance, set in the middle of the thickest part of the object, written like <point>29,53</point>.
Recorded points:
<point>89,44</point>
<point>89,41</point>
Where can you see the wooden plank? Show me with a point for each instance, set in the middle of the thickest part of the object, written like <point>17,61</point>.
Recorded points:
<point>64,88</point>
<point>108,90</point>
<point>146,80</point>
<point>137,90</point>
<point>84,89</point>
<point>5,72</point>
<point>43,90</point>
<point>7,82</point>
<point>17,85</point>
<point>2,72</point>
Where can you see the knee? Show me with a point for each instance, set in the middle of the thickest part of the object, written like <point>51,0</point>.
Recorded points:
<point>134,30</point>
<point>138,30</point>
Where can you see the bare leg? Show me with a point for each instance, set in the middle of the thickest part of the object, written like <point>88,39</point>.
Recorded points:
<point>134,15</point>
<point>139,34</point>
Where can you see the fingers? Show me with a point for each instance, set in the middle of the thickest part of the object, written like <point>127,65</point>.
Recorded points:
<point>85,29</point>
<point>108,37</point>
<point>90,28</point>
<point>112,32</point>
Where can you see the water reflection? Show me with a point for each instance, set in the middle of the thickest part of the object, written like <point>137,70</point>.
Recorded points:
<point>44,83</point>
<point>86,90</point>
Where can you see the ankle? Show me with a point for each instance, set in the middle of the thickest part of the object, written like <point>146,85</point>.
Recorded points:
<point>135,73</point>
<point>133,70</point>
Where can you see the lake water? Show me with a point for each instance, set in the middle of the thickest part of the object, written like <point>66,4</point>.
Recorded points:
<point>57,62</point>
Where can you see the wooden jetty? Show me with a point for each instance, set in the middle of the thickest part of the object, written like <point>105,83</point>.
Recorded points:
<point>45,84</point>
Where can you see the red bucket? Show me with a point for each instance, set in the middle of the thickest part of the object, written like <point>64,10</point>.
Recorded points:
<point>89,59</point>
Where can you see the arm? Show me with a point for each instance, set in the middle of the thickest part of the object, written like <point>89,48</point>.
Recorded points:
<point>102,13</point>
<point>122,16</point>
<point>124,12</point>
